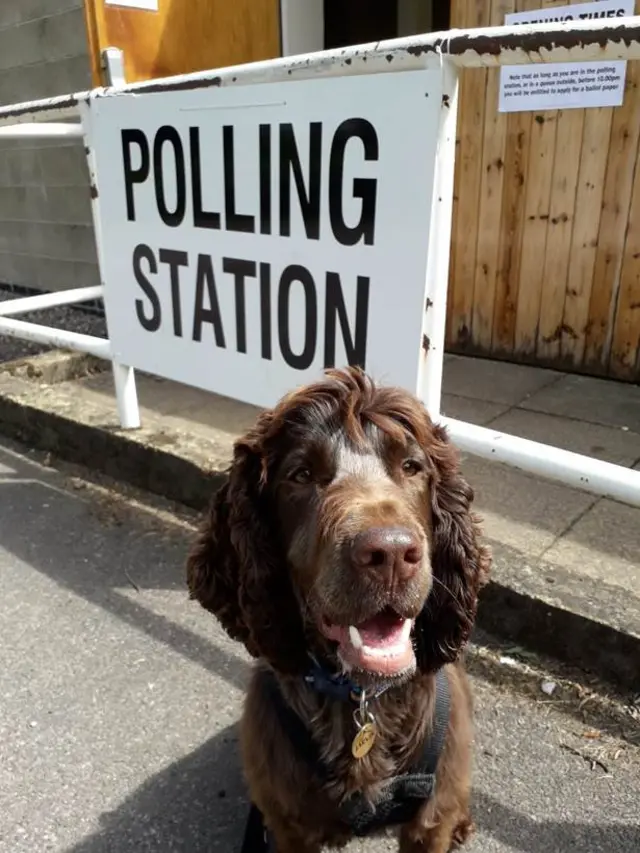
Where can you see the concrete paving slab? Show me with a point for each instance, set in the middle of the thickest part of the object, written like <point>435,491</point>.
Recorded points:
<point>522,511</point>
<point>597,401</point>
<point>494,381</point>
<point>611,444</point>
<point>175,405</point>
<point>191,408</point>
<point>605,542</point>
<point>481,412</point>
<point>120,703</point>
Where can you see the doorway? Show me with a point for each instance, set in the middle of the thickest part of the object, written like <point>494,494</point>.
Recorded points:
<point>312,25</point>
<point>358,22</point>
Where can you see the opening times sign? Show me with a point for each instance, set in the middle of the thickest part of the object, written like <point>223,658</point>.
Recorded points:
<point>566,85</point>
<point>252,236</point>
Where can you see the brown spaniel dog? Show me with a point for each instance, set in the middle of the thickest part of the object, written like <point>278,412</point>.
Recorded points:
<point>343,553</point>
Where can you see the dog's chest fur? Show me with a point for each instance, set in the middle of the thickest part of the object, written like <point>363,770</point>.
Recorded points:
<point>402,723</point>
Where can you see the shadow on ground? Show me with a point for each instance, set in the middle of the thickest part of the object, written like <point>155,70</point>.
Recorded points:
<point>105,560</point>
<point>521,833</point>
<point>197,805</point>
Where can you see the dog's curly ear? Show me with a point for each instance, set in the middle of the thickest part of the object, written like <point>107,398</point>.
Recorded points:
<point>236,569</point>
<point>460,562</point>
<point>213,570</point>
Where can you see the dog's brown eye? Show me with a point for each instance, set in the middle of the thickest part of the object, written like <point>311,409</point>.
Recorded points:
<point>410,467</point>
<point>301,475</point>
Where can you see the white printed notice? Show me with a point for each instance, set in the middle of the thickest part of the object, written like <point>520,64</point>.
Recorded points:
<point>565,85</point>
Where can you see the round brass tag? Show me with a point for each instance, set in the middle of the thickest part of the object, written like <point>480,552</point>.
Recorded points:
<point>363,741</point>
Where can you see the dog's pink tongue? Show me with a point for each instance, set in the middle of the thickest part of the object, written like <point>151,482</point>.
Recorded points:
<point>384,629</point>
<point>381,645</point>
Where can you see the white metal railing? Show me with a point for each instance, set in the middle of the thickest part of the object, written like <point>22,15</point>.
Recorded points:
<point>124,379</point>
<point>50,300</point>
<point>50,130</point>
<point>482,47</point>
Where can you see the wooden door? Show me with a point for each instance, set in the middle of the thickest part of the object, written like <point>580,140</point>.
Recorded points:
<point>183,35</point>
<point>545,264</point>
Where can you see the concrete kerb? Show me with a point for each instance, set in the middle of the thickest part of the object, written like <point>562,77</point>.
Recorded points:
<point>49,418</point>
<point>53,366</point>
<point>574,623</point>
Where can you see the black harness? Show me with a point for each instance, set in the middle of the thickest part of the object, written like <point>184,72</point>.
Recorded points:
<point>403,795</point>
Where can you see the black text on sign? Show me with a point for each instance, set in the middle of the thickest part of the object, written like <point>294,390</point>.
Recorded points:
<point>174,164</point>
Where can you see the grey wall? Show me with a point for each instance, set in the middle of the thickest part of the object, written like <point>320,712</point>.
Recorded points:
<point>46,233</point>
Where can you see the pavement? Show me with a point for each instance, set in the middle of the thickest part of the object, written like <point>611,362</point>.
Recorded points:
<point>119,698</point>
<point>566,575</point>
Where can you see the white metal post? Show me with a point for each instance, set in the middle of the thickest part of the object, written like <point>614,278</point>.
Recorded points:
<point>123,375</point>
<point>113,66</point>
<point>435,307</point>
<point>126,395</point>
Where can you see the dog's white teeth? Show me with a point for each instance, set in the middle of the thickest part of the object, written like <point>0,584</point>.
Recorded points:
<point>406,629</point>
<point>354,636</point>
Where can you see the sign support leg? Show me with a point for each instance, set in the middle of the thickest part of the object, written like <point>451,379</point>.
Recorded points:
<point>126,395</point>
<point>435,308</point>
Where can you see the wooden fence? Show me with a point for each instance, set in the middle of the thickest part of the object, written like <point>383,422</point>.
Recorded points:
<point>545,264</point>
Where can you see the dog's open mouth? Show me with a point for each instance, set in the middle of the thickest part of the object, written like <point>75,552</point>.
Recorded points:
<point>380,645</point>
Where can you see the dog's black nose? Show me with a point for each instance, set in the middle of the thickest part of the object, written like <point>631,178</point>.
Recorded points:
<point>390,553</point>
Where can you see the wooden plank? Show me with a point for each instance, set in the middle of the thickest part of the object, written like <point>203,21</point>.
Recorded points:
<point>185,36</point>
<point>512,222</point>
<point>625,347</point>
<point>490,203</point>
<point>584,240</point>
<point>534,234</point>
<point>92,24</point>
<point>561,211</point>
<point>536,220</point>
<point>511,230</point>
<point>622,158</point>
<point>564,183</point>
<point>468,176</point>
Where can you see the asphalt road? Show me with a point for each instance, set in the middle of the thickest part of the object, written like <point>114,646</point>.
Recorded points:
<point>119,698</point>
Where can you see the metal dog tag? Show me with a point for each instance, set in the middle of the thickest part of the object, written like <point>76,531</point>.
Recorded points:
<point>367,731</point>
<point>364,740</point>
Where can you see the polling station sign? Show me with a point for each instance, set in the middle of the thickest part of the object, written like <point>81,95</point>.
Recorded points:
<point>251,236</point>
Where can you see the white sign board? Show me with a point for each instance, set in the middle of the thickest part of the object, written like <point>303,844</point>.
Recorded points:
<point>565,85</point>
<point>149,5</point>
<point>252,236</point>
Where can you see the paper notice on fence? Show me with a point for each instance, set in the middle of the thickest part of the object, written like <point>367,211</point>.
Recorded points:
<point>565,85</point>
<point>149,5</point>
